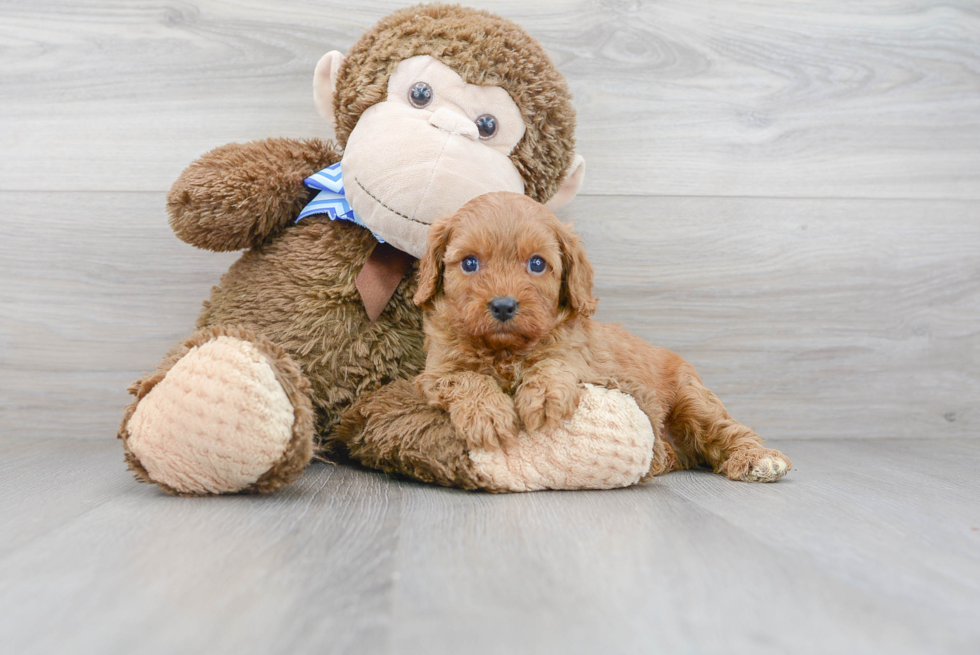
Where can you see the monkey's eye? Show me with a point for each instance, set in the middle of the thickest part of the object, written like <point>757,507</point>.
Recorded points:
<point>470,264</point>
<point>487,125</point>
<point>420,95</point>
<point>536,265</point>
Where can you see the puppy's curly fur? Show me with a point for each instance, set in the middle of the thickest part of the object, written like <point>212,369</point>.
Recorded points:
<point>494,371</point>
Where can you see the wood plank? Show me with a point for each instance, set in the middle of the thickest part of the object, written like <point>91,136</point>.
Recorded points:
<point>299,571</point>
<point>759,98</point>
<point>825,561</point>
<point>866,547</point>
<point>95,288</point>
<point>915,498</point>
<point>810,318</point>
<point>46,483</point>
<point>831,318</point>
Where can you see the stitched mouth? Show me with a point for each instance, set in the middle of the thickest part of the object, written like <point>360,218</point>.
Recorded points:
<point>393,211</point>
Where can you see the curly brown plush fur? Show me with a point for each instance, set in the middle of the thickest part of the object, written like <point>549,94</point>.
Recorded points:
<point>484,49</point>
<point>238,195</point>
<point>395,430</point>
<point>294,286</point>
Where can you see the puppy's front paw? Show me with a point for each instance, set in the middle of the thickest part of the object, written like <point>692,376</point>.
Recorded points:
<point>756,465</point>
<point>486,422</point>
<point>543,405</point>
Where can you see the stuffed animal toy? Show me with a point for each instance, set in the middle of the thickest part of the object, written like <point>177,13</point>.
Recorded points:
<point>432,107</point>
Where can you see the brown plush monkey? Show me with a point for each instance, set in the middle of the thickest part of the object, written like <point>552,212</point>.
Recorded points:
<point>433,106</point>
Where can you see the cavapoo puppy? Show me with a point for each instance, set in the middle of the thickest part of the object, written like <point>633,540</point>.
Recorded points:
<point>507,293</point>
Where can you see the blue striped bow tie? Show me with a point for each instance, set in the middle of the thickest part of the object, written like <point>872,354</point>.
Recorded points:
<point>331,199</point>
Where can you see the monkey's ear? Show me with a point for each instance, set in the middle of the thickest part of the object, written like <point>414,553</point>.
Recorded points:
<point>570,186</point>
<point>577,273</point>
<point>431,266</point>
<point>324,84</point>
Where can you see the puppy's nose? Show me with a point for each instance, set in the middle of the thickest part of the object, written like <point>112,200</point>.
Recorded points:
<point>503,309</point>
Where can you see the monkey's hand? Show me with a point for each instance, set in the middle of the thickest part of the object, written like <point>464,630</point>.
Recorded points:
<point>239,194</point>
<point>607,443</point>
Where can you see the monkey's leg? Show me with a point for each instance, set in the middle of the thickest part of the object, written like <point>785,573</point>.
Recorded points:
<point>606,444</point>
<point>395,430</point>
<point>226,411</point>
<point>705,433</point>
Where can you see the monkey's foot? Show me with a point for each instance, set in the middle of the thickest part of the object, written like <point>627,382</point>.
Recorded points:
<point>755,465</point>
<point>607,443</point>
<point>227,411</point>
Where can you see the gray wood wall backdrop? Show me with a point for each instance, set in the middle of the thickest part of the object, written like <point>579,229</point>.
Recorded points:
<point>787,193</point>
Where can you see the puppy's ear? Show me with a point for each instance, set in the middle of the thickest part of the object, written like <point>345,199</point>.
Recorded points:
<point>430,266</point>
<point>577,273</point>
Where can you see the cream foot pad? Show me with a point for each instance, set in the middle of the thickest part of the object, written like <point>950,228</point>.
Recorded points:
<point>215,423</point>
<point>607,443</point>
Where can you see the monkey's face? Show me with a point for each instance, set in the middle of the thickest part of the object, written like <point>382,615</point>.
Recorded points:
<point>435,143</point>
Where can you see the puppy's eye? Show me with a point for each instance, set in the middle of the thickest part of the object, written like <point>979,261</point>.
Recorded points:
<point>486,125</point>
<point>470,265</point>
<point>536,265</point>
<point>420,95</point>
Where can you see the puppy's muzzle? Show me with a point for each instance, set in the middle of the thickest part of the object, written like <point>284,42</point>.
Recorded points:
<point>504,308</point>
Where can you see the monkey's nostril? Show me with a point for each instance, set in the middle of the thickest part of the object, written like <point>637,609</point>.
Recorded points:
<point>504,308</point>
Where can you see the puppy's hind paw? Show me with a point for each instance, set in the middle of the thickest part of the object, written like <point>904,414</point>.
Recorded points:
<point>756,465</point>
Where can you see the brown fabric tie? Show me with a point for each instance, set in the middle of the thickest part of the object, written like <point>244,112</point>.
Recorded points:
<point>381,275</point>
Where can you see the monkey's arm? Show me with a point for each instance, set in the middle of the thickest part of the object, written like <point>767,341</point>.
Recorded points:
<point>238,194</point>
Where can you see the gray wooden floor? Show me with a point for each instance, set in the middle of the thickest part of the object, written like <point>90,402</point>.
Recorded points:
<point>788,194</point>
<point>866,547</point>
